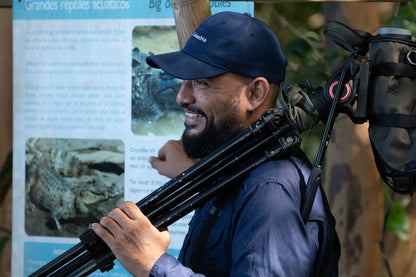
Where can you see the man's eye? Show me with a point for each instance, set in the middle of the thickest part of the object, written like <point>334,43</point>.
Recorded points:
<point>200,83</point>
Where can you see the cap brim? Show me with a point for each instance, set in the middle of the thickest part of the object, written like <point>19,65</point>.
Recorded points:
<point>183,66</point>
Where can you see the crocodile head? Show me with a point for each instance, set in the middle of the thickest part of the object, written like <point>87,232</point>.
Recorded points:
<point>94,192</point>
<point>153,91</point>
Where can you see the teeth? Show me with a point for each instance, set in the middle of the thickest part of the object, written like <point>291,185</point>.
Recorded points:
<point>193,115</point>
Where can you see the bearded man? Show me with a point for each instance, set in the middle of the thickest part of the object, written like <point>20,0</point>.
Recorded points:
<point>231,69</point>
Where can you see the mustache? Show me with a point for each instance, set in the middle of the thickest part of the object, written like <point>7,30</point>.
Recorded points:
<point>193,108</point>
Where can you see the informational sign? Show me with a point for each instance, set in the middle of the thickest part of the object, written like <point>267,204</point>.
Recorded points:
<point>88,113</point>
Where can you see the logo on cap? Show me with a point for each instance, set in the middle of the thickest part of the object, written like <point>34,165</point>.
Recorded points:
<point>199,37</point>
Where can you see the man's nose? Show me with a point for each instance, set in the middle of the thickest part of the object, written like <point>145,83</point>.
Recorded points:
<point>185,94</point>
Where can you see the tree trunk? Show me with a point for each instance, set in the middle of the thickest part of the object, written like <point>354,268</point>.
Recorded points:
<point>356,198</point>
<point>352,178</point>
<point>5,133</point>
<point>188,15</point>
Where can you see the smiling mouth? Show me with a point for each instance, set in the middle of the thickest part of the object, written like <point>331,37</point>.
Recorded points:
<point>193,115</point>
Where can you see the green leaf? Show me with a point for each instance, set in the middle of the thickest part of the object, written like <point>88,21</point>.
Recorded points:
<point>298,48</point>
<point>397,221</point>
<point>405,17</point>
<point>312,35</point>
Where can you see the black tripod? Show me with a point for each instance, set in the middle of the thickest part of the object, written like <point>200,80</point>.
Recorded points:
<point>271,137</point>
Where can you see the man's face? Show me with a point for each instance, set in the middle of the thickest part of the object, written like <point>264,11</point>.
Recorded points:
<point>214,109</point>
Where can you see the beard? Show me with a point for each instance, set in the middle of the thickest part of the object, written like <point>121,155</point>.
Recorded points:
<point>213,136</point>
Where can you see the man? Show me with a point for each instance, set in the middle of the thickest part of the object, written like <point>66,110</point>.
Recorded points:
<point>231,69</point>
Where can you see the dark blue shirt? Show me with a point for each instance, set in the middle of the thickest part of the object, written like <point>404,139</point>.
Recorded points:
<point>259,232</point>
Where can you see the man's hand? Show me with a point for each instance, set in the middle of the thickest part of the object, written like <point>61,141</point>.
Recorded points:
<point>171,159</point>
<point>135,242</point>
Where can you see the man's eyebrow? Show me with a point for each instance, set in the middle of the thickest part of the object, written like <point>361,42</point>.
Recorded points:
<point>208,81</point>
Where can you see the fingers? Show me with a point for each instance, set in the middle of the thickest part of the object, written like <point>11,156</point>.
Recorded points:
<point>119,218</point>
<point>104,231</point>
<point>162,167</point>
<point>171,160</point>
<point>108,227</point>
<point>135,242</point>
<point>161,155</point>
<point>130,210</point>
<point>155,162</point>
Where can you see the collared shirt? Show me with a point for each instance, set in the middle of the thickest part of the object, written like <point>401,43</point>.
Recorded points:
<point>259,232</point>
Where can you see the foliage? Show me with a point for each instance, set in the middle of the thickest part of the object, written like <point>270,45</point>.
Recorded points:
<point>301,39</point>
<point>397,220</point>
<point>405,17</point>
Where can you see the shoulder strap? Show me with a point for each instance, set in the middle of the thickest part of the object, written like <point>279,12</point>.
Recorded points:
<point>302,184</point>
<point>329,252</point>
<point>326,263</point>
<point>216,208</point>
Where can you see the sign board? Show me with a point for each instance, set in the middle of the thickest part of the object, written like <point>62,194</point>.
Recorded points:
<point>88,112</point>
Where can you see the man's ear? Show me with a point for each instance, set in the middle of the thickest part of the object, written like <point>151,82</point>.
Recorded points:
<point>257,93</point>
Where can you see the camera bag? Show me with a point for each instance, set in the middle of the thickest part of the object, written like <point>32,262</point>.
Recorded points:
<point>388,97</point>
<point>392,110</point>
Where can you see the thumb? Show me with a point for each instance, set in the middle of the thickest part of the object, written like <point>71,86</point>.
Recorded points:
<point>153,161</point>
<point>165,236</point>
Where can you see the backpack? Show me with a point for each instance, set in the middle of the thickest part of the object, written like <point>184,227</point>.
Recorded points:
<point>326,263</point>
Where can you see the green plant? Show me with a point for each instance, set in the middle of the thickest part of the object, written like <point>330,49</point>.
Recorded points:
<point>405,17</point>
<point>396,217</point>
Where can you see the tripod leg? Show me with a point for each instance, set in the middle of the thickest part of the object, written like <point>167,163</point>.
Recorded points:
<point>59,261</point>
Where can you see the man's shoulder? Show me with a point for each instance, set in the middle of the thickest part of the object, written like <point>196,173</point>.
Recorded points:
<point>271,178</point>
<point>280,178</point>
<point>284,172</point>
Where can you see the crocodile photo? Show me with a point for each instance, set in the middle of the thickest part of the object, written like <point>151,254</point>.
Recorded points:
<point>67,186</point>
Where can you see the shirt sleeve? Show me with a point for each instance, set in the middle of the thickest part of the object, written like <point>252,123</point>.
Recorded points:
<point>169,266</point>
<point>270,238</point>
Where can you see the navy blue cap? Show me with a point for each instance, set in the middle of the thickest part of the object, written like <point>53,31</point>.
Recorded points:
<point>227,42</point>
